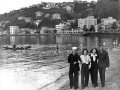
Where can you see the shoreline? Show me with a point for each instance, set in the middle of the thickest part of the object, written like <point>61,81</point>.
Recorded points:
<point>86,34</point>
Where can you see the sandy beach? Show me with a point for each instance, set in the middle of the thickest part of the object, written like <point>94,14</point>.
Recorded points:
<point>41,68</point>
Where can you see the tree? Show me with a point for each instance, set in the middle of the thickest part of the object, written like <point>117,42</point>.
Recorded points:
<point>85,28</point>
<point>98,20</point>
<point>79,7</point>
<point>92,28</point>
<point>106,8</point>
<point>74,25</point>
<point>114,26</point>
<point>27,32</point>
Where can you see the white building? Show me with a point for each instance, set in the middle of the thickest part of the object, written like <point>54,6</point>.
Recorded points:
<point>14,30</point>
<point>81,23</point>
<point>59,28</point>
<point>90,20</point>
<point>106,21</point>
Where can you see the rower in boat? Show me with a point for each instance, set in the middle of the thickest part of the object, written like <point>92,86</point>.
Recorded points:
<point>14,46</point>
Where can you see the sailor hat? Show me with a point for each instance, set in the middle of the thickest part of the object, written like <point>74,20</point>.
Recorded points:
<point>74,48</point>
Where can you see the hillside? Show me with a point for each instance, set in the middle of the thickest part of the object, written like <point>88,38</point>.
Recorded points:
<point>106,8</point>
<point>30,12</point>
<point>45,16</point>
<point>54,15</point>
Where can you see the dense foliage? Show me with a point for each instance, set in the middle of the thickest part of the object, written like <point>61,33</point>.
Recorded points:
<point>106,8</point>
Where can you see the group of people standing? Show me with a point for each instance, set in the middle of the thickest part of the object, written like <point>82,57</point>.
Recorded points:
<point>90,63</point>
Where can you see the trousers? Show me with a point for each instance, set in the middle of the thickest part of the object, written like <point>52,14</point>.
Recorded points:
<point>94,75</point>
<point>84,75</point>
<point>73,76</point>
<point>102,75</point>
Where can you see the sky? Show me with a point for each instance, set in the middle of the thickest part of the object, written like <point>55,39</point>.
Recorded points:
<point>9,5</point>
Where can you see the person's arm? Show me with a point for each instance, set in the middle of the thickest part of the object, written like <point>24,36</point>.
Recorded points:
<point>107,58</point>
<point>69,59</point>
<point>89,58</point>
<point>79,59</point>
<point>97,59</point>
<point>89,62</point>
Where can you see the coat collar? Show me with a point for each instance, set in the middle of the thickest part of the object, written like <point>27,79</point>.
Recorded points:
<point>93,55</point>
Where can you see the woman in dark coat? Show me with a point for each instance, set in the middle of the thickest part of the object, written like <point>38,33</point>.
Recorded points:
<point>94,67</point>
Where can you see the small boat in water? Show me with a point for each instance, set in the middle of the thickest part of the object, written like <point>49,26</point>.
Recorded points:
<point>16,48</point>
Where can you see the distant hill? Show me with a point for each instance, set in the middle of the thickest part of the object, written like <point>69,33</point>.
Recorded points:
<point>80,10</point>
<point>106,8</point>
<point>31,13</point>
<point>102,9</point>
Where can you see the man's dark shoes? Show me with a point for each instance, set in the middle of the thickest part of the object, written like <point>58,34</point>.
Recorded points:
<point>93,85</point>
<point>103,85</point>
<point>82,87</point>
<point>86,85</point>
<point>96,85</point>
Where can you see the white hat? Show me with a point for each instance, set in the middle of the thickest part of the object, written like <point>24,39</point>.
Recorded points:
<point>74,47</point>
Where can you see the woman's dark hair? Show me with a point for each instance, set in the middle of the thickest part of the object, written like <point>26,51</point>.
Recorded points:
<point>93,49</point>
<point>84,50</point>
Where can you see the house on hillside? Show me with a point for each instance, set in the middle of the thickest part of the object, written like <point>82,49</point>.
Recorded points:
<point>27,19</point>
<point>69,8</point>
<point>50,5</point>
<point>14,30</point>
<point>39,13</point>
<point>71,21</point>
<point>56,16</point>
<point>109,20</point>
<point>21,17</point>
<point>47,15</point>
<point>25,31</point>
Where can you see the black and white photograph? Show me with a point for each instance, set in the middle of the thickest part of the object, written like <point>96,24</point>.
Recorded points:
<point>59,44</point>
